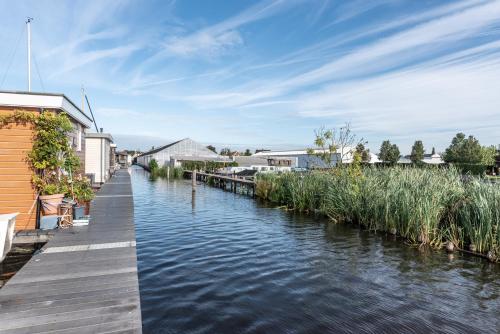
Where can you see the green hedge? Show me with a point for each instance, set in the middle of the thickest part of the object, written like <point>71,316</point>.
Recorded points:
<point>474,169</point>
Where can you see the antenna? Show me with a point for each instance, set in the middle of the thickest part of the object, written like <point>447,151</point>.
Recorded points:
<point>28,26</point>
<point>91,113</point>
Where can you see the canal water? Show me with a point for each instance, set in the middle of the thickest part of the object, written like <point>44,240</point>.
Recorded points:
<point>218,262</point>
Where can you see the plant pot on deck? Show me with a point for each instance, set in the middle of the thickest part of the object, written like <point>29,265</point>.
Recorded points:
<point>50,203</point>
<point>86,206</point>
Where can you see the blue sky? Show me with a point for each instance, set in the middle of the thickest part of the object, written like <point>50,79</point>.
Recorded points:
<point>266,73</point>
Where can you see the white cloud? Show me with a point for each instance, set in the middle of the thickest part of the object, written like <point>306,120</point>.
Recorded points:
<point>204,41</point>
<point>224,35</point>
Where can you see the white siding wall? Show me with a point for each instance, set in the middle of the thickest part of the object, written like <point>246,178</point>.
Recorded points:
<point>97,152</point>
<point>92,157</point>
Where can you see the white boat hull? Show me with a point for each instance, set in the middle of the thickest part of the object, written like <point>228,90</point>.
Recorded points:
<point>7,226</point>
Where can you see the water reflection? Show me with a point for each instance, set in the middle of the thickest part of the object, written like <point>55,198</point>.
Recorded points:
<point>227,264</point>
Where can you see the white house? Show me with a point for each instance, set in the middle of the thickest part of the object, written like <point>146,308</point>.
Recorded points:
<point>98,156</point>
<point>302,159</point>
<point>433,159</point>
<point>174,153</point>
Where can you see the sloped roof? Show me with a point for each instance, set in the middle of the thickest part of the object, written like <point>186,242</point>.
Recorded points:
<point>162,148</point>
<point>99,135</point>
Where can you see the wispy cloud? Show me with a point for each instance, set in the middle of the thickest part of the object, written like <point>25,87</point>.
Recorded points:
<point>224,35</point>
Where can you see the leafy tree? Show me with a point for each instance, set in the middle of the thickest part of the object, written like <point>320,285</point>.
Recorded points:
<point>463,150</point>
<point>488,155</point>
<point>417,152</point>
<point>226,151</point>
<point>363,153</point>
<point>329,142</point>
<point>212,148</point>
<point>247,152</point>
<point>389,152</point>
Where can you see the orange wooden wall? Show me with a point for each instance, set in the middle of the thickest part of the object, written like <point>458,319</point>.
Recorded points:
<point>16,192</point>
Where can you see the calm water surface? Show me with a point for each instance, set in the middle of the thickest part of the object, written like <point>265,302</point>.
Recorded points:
<point>223,263</point>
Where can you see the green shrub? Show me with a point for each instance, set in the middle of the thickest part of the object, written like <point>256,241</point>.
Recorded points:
<point>473,169</point>
<point>153,165</point>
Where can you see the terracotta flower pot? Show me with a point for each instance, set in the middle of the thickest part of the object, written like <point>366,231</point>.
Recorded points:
<point>86,205</point>
<point>50,203</point>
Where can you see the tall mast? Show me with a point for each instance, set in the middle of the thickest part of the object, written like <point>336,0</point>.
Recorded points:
<point>28,27</point>
<point>83,99</point>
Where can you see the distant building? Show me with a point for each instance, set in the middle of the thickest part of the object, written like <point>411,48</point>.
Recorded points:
<point>175,153</point>
<point>98,162</point>
<point>112,156</point>
<point>256,163</point>
<point>433,159</point>
<point>302,159</point>
<point>122,159</point>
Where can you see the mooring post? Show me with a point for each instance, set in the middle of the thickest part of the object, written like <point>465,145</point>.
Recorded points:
<point>193,179</point>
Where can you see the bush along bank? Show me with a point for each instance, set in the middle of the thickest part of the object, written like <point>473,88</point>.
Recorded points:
<point>164,171</point>
<point>437,207</point>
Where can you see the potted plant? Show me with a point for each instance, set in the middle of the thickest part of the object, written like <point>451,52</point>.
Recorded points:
<point>82,192</point>
<point>51,192</point>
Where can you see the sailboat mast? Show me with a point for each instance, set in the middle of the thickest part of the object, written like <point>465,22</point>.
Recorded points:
<point>28,27</point>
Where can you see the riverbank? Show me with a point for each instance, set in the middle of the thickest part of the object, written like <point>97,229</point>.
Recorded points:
<point>427,206</point>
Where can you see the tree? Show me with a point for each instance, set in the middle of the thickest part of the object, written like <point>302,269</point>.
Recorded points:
<point>488,155</point>
<point>153,165</point>
<point>389,152</point>
<point>463,150</point>
<point>417,152</point>
<point>226,151</point>
<point>363,153</point>
<point>330,142</point>
<point>212,148</point>
<point>247,152</point>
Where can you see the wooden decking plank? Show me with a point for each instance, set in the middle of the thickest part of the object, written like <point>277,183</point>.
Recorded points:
<point>67,302</point>
<point>67,308</point>
<point>69,283</point>
<point>85,278</point>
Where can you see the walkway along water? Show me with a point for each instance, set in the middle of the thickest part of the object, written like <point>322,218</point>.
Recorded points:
<point>85,278</point>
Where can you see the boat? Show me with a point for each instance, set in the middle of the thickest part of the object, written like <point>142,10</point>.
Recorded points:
<point>7,226</point>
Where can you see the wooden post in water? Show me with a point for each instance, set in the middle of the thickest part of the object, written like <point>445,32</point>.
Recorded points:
<point>193,180</point>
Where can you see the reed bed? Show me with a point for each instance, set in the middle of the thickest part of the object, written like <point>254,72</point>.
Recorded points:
<point>427,206</point>
<point>172,172</point>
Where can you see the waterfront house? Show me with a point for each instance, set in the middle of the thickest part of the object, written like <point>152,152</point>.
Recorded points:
<point>123,158</point>
<point>175,153</point>
<point>16,191</point>
<point>98,164</point>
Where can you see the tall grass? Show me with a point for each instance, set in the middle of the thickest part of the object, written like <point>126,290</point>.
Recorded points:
<point>428,206</point>
<point>172,172</point>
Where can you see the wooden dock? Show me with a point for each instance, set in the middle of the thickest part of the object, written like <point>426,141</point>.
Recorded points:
<point>85,279</point>
<point>222,181</point>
